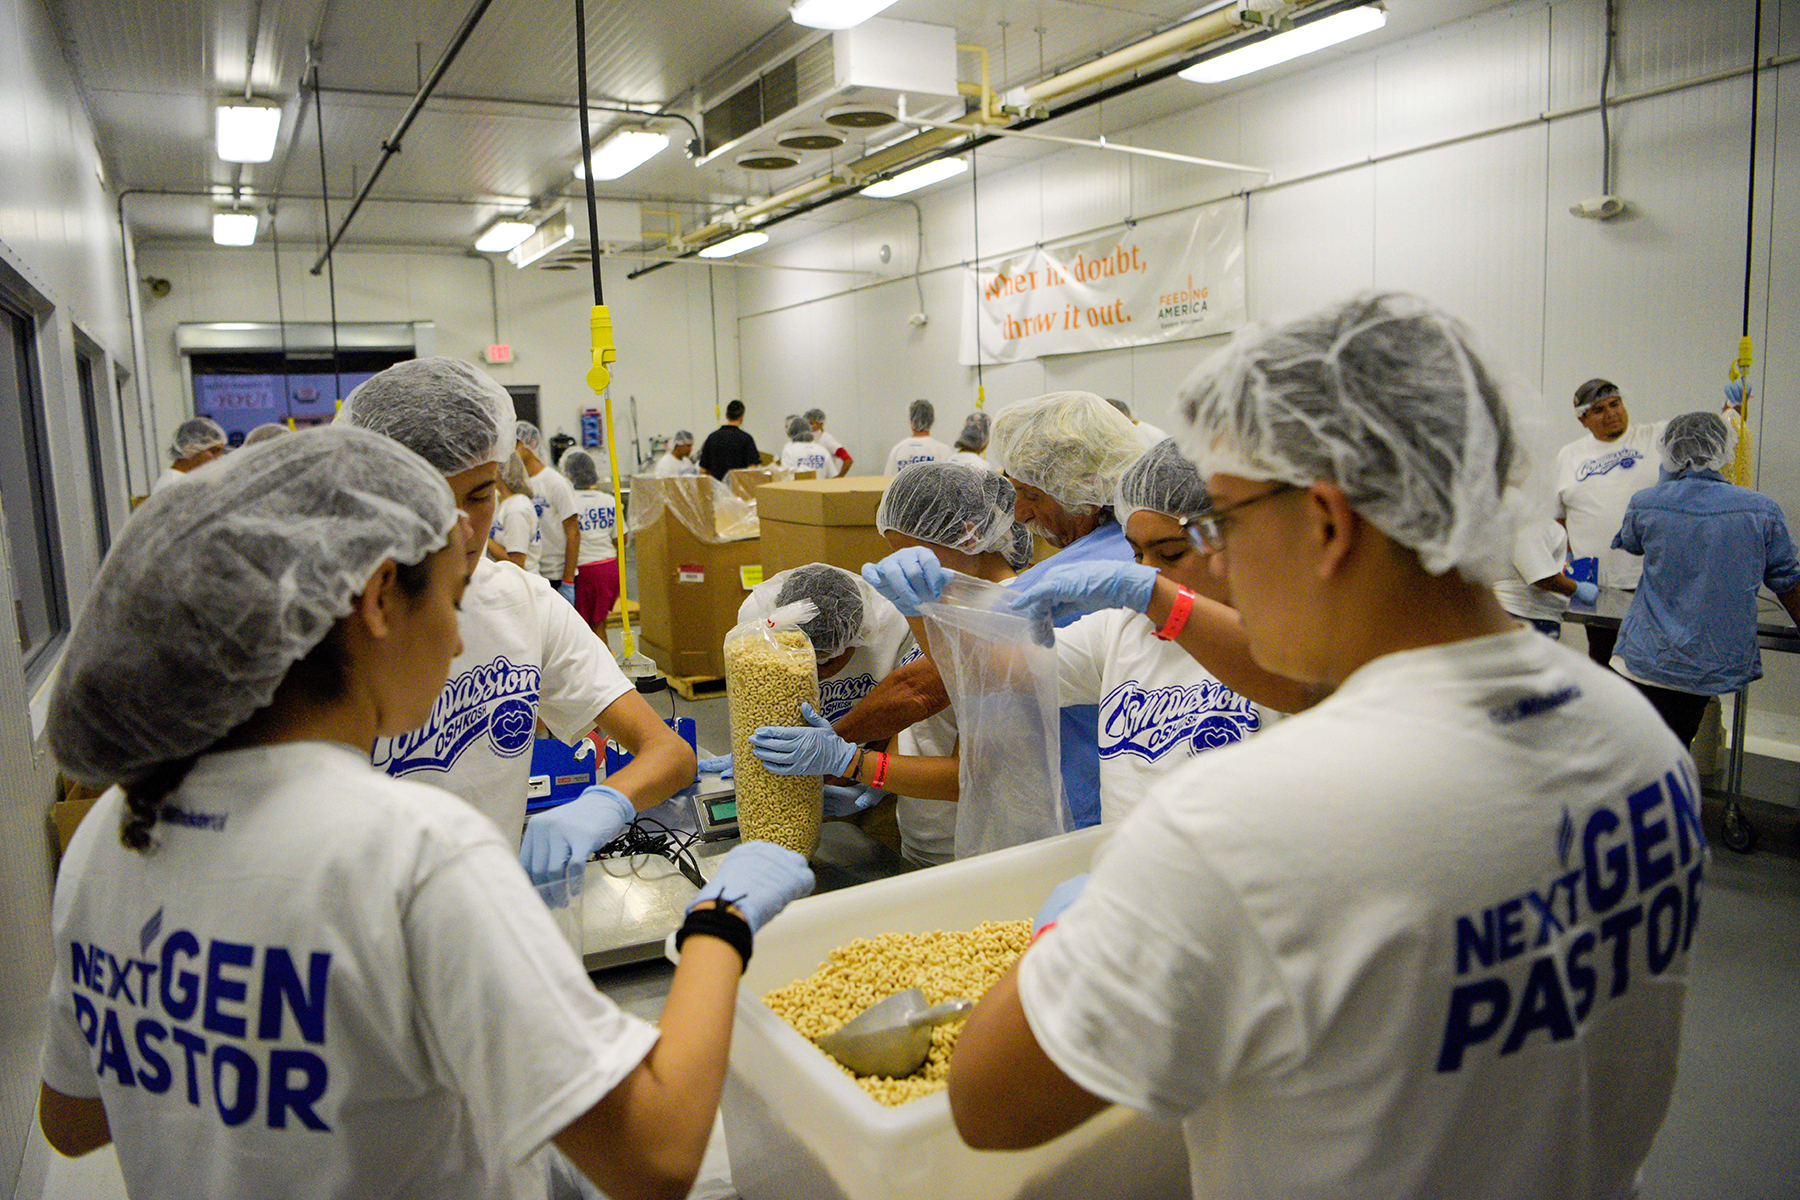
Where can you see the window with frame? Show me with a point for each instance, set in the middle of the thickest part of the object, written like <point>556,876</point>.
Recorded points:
<point>40,594</point>
<point>88,368</point>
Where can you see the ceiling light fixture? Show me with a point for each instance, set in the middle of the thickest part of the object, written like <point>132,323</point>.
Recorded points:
<point>1315,35</point>
<point>835,14</point>
<point>247,130</point>
<point>918,177</point>
<point>624,152</point>
<point>736,245</point>
<point>503,235</point>
<point>234,228</point>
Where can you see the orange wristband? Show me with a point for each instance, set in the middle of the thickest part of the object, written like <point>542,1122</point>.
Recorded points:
<point>881,768</point>
<point>1178,614</point>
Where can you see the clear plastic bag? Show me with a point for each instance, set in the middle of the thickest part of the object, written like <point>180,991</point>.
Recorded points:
<point>769,671</point>
<point>999,667</point>
<point>714,512</point>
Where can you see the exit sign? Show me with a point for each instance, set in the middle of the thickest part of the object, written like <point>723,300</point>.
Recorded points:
<point>498,353</point>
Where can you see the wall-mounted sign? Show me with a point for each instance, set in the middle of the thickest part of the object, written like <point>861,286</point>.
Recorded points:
<point>1156,281</point>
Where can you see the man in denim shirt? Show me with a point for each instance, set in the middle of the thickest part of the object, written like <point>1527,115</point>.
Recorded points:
<point>1707,545</point>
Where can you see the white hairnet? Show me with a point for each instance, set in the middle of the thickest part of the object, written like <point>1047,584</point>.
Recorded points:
<point>815,415</point>
<point>921,414</point>
<point>451,414</point>
<point>262,433</point>
<point>512,473</point>
<point>1385,397</point>
<point>528,434</point>
<point>1698,441</point>
<point>194,435</point>
<point>582,471</point>
<point>1593,392</point>
<point>847,606</point>
<point>682,438</point>
<point>215,588</point>
<point>1163,481</point>
<point>974,435</point>
<point>949,504</point>
<point>1071,445</point>
<point>799,429</point>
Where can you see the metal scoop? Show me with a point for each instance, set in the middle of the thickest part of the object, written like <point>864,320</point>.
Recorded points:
<point>891,1037</point>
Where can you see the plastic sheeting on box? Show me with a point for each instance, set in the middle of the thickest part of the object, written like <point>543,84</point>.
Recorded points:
<point>712,511</point>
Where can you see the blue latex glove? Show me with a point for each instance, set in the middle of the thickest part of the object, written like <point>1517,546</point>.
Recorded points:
<point>1734,394</point>
<point>1586,593</point>
<point>845,801</point>
<point>759,879</point>
<point>1077,589</point>
<point>1585,570</point>
<point>566,590</point>
<point>573,831</point>
<point>909,578</point>
<point>717,765</point>
<point>809,749</point>
<point>1061,896</point>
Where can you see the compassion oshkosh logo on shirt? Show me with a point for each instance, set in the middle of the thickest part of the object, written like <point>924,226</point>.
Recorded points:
<point>1625,459</point>
<point>1151,722</point>
<point>497,700</point>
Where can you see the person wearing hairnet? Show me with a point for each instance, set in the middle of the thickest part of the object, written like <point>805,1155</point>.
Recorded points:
<point>921,447</point>
<point>526,655</point>
<point>802,453</point>
<point>677,459</point>
<point>559,556</point>
<point>343,983</point>
<point>197,441</point>
<point>1596,475</point>
<point>1319,949</point>
<point>1147,434</point>
<point>972,443</point>
<point>597,577</point>
<point>841,457</point>
<point>1538,588</point>
<point>265,431</point>
<point>516,536</point>
<point>1707,546</point>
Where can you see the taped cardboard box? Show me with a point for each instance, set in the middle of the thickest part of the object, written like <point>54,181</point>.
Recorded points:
<point>821,520</point>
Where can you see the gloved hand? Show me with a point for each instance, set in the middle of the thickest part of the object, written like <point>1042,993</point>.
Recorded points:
<point>909,578</point>
<point>573,831</point>
<point>1734,393</point>
<point>809,749</point>
<point>847,800</point>
<point>1586,593</point>
<point>566,590</point>
<point>1077,589</point>
<point>719,764</point>
<point>1585,570</point>
<point>1061,896</point>
<point>759,879</point>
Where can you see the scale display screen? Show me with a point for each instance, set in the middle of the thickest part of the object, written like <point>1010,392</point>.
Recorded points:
<point>716,816</point>
<point>722,810</point>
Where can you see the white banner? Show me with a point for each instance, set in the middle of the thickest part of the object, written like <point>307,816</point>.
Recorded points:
<point>1157,281</point>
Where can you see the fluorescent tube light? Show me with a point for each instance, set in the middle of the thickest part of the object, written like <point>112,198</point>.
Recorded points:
<point>835,14</point>
<point>234,228</point>
<point>1327,31</point>
<point>247,132</point>
<point>918,177</point>
<point>624,152</point>
<point>736,245</point>
<point>502,236</point>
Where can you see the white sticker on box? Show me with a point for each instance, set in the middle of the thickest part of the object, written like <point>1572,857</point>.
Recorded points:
<point>690,573</point>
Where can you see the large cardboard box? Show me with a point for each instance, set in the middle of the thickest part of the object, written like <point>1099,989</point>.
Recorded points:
<point>689,589</point>
<point>821,520</point>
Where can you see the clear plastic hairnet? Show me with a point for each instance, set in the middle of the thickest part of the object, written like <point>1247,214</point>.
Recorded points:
<point>1593,392</point>
<point>682,437</point>
<point>1022,547</point>
<point>921,414</point>
<point>451,414</point>
<point>512,472</point>
<point>848,608</point>
<point>974,435</point>
<point>194,435</point>
<point>949,504</point>
<point>1072,445</point>
<point>799,429</point>
<point>580,468</point>
<point>1385,397</point>
<point>815,415</point>
<point>215,588</point>
<point>1163,481</point>
<point>530,435</point>
<point>1698,441</point>
<point>263,433</point>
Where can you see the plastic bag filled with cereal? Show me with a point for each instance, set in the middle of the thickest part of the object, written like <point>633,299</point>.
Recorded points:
<point>769,671</point>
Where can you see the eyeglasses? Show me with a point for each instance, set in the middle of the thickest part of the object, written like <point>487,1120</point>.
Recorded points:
<point>1208,532</point>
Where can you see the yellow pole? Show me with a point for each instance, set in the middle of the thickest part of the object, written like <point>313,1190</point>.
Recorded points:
<point>599,377</point>
<point>1740,370</point>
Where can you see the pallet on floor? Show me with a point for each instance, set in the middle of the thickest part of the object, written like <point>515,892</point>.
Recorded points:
<point>615,619</point>
<point>697,687</point>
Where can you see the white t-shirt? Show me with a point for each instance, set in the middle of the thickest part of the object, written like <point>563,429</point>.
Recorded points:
<point>324,983</point>
<point>1428,938</point>
<point>668,467</point>
<point>527,654</point>
<point>809,456</point>
<point>554,498</point>
<point>1147,434</point>
<point>973,459</point>
<point>171,475</point>
<point>916,450</point>
<point>1594,482</point>
<point>1538,549</point>
<point>890,645</point>
<point>598,514</point>
<point>1158,707</point>
<point>516,529</point>
<point>834,448</point>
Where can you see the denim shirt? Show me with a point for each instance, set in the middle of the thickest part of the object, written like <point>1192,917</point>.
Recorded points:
<point>1707,545</point>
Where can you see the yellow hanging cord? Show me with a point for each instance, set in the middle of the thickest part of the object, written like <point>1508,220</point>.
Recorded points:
<point>599,377</point>
<point>1740,414</point>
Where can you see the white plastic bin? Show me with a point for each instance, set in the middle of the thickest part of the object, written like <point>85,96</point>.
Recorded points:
<point>795,1126</point>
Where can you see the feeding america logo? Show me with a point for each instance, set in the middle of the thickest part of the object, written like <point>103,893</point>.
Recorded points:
<point>496,699</point>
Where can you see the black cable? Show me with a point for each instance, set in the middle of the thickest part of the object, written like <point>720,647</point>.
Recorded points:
<point>330,257</point>
<point>1750,203</point>
<point>648,836</point>
<point>587,160</point>
<point>1612,34</point>
<point>975,215</point>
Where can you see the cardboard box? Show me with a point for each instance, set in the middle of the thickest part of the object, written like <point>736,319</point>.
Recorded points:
<point>689,589</point>
<point>821,520</point>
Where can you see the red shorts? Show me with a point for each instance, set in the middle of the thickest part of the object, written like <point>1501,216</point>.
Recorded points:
<point>596,588</point>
